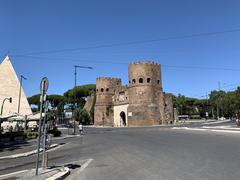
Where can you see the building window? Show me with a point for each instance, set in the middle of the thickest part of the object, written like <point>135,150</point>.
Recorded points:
<point>97,90</point>
<point>158,81</point>
<point>129,82</point>
<point>101,89</point>
<point>148,80</point>
<point>107,89</point>
<point>133,81</point>
<point>140,80</point>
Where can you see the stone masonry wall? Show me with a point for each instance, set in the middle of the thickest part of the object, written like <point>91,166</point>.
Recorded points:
<point>105,90</point>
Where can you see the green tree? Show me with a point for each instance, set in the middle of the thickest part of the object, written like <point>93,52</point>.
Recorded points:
<point>56,99</point>
<point>82,116</point>
<point>81,93</point>
<point>35,100</point>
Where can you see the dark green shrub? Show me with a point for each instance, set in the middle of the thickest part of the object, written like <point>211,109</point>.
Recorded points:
<point>55,132</point>
<point>31,135</point>
<point>12,135</point>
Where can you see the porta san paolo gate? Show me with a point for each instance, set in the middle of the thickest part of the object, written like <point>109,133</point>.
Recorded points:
<point>140,103</point>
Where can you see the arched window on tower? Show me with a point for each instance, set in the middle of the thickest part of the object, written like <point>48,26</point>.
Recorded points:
<point>107,89</point>
<point>148,80</point>
<point>97,90</point>
<point>101,89</point>
<point>140,80</point>
<point>158,81</point>
<point>133,81</point>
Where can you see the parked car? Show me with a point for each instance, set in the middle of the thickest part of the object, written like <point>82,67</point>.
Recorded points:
<point>62,126</point>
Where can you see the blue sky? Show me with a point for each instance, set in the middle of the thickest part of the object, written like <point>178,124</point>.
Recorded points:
<point>36,26</point>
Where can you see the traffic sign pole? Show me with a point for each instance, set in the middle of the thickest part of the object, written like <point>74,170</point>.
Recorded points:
<point>43,90</point>
<point>44,136</point>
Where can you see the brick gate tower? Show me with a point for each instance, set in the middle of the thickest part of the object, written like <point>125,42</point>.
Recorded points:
<point>103,111</point>
<point>146,99</point>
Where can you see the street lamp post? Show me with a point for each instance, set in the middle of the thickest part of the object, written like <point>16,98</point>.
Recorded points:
<point>75,85</point>
<point>9,99</point>
<point>20,91</point>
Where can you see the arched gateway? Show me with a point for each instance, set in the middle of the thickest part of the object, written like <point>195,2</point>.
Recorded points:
<point>123,118</point>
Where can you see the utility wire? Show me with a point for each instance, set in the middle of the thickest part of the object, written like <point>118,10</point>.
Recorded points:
<point>222,87</point>
<point>202,68</point>
<point>125,63</point>
<point>133,42</point>
<point>67,59</point>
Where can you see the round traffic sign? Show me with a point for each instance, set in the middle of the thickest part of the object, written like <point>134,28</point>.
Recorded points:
<point>44,84</point>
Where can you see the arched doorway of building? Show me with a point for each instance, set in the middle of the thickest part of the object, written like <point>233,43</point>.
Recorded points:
<point>123,118</point>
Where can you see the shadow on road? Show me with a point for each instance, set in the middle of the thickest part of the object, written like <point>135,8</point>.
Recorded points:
<point>13,145</point>
<point>70,166</point>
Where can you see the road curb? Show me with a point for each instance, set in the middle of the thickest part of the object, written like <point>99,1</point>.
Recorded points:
<point>26,153</point>
<point>60,175</point>
<point>66,137</point>
<point>63,172</point>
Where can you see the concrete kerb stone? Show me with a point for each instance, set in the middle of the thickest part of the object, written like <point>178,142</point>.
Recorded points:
<point>66,137</point>
<point>61,175</point>
<point>26,153</point>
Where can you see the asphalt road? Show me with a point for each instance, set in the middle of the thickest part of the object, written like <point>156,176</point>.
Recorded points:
<point>146,153</point>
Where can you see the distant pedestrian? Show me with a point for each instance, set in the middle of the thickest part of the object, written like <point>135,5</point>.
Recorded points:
<point>80,126</point>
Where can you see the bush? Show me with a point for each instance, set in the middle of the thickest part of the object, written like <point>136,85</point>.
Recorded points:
<point>12,135</point>
<point>31,135</point>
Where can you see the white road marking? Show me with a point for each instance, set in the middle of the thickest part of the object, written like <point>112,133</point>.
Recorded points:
<point>221,127</point>
<point>216,122</point>
<point>76,175</point>
<point>226,131</point>
<point>209,130</point>
<point>85,165</point>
